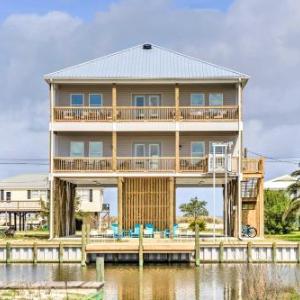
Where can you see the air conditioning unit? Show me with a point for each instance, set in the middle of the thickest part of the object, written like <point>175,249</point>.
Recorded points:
<point>220,163</point>
<point>105,207</point>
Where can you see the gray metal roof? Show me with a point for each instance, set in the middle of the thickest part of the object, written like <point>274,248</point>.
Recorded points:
<point>138,63</point>
<point>26,181</point>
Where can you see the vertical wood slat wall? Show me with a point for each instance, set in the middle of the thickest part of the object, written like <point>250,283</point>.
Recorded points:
<point>148,200</point>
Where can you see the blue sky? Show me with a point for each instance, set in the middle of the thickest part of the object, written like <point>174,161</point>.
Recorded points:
<point>86,9</point>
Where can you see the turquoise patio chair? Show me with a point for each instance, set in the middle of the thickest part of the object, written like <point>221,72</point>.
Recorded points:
<point>149,230</point>
<point>136,232</point>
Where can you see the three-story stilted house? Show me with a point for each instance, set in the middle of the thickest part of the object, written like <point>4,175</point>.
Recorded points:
<point>148,120</point>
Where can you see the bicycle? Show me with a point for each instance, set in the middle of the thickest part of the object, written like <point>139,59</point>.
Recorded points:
<point>249,231</point>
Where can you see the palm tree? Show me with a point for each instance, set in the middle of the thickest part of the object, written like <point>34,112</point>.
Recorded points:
<point>294,192</point>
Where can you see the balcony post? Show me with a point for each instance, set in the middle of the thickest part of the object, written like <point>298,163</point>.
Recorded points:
<point>114,151</point>
<point>177,101</point>
<point>177,165</point>
<point>172,206</point>
<point>120,204</point>
<point>114,101</point>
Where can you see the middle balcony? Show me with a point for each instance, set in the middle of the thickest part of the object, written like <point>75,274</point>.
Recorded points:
<point>147,152</point>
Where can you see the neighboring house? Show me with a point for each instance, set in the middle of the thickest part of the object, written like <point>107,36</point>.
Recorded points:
<point>280,183</point>
<point>21,196</point>
<point>148,120</point>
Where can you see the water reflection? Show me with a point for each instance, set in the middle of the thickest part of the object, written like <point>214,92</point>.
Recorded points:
<point>167,282</point>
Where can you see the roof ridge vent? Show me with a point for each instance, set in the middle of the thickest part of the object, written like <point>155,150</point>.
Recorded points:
<point>147,46</point>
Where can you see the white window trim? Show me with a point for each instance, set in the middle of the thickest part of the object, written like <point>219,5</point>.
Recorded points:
<point>216,93</point>
<point>77,142</point>
<point>72,94</point>
<point>101,148</point>
<point>100,94</point>
<point>155,144</point>
<point>135,148</point>
<point>191,96</point>
<point>197,142</point>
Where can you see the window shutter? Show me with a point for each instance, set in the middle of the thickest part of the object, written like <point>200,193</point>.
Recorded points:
<point>28,194</point>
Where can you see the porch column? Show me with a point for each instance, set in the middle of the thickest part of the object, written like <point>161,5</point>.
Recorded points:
<point>172,206</point>
<point>120,197</point>
<point>114,150</point>
<point>114,101</point>
<point>177,162</point>
<point>51,210</point>
<point>240,175</point>
<point>177,101</point>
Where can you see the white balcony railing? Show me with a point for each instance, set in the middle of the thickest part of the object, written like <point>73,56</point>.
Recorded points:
<point>24,205</point>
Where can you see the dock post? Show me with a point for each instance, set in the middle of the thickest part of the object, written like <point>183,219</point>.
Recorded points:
<point>197,246</point>
<point>274,247</point>
<point>87,232</point>
<point>34,252</point>
<point>221,252</point>
<point>61,252</point>
<point>83,244</point>
<point>100,269</point>
<point>141,254</point>
<point>298,256</point>
<point>8,253</point>
<point>249,252</point>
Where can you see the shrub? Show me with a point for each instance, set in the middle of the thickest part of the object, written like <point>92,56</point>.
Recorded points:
<point>276,203</point>
<point>200,222</point>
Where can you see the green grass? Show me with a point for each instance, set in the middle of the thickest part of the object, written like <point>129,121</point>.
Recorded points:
<point>291,237</point>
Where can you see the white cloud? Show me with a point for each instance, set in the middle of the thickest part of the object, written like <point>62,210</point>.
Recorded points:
<point>260,38</point>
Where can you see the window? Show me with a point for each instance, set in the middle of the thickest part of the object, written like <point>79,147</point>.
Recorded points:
<point>95,149</point>
<point>139,150</point>
<point>139,100</point>
<point>8,196</point>
<point>197,99</point>
<point>197,149</point>
<point>248,206</point>
<point>77,100</point>
<point>77,149</point>
<point>220,149</point>
<point>154,150</point>
<point>29,194</point>
<point>2,195</point>
<point>35,194</point>
<point>95,99</point>
<point>216,99</point>
<point>83,194</point>
<point>154,100</point>
<point>91,195</point>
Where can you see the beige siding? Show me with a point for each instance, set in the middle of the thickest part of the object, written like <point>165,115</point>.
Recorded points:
<point>167,92</point>
<point>62,143</point>
<point>125,143</point>
<point>186,139</point>
<point>229,93</point>
<point>64,92</point>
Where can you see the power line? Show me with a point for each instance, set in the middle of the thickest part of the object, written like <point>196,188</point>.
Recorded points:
<point>274,159</point>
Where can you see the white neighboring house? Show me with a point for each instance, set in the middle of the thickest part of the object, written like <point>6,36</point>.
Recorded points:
<point>21,196</point>
<point>280,183</point>
<point>20,199</point>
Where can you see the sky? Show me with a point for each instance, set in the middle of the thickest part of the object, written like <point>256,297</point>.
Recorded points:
<point>259,37</point>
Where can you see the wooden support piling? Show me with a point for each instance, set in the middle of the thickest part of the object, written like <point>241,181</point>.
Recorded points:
<point>87,232</point>
<point>61,252</point>
<point>298,253</point>
<point>34,252</point>
<point>197,246</point>
<point>83,245</point>
<point>100,269</point>
<point>141,254</point>
<point>221,252</point>
<point>274,250</point>
<point>249,252</point>
<point>8,253</point>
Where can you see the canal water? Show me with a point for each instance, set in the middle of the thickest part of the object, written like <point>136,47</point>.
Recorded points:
<point>209,281</point>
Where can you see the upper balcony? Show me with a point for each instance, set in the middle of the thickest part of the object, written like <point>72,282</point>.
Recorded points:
<point>146,103</point>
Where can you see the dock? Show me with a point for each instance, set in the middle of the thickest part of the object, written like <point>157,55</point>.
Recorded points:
<point>151,250</point>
